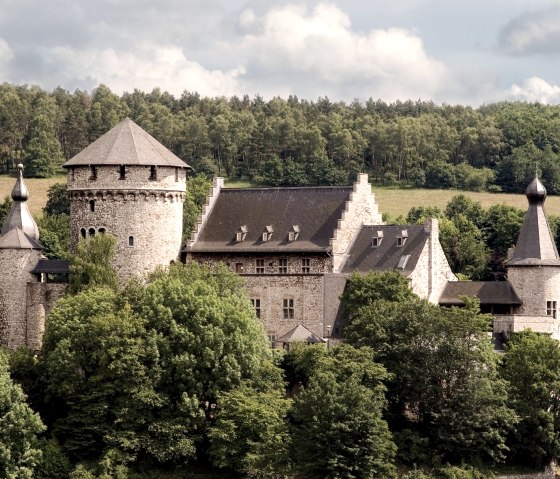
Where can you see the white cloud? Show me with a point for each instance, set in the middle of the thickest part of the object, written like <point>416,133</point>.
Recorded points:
<point>6,53</point>
<point>290,43</point>
<point>145,68</point>
<point>535,89</point>
<point>535,32</point>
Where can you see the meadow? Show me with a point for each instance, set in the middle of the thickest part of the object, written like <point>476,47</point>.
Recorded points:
<point>392,200</point>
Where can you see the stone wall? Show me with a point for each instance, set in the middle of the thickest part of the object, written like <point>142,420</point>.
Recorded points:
<point>334,287</point>
<point>361,209</point>
<point>536,285</point>
<point>207,208</point>
<point>41,298</point>
<point>16,267</point>
<point>513,323</point>
<point>145,216</point>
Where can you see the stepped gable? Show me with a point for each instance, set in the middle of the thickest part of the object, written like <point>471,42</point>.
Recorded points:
<point>535,244</point>
<point>310,213</point>
<point>126,144</point>
<point>386,255</point>
<point>19,218</point>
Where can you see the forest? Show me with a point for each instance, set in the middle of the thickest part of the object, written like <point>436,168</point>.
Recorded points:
<point>295,142</point>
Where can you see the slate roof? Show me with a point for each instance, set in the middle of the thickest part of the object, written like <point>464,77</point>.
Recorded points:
<point>488,292</point>
<point>364,257</point>
<point>126,144</point>
<point>300,334</point>
<point>17,239</point>
<point>315,211</point>
<point>53,266</point>
<point>535,243</point>
<point>19,216</point>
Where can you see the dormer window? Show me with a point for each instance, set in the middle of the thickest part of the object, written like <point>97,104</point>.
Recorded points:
<point>376,239</point>
<point>401,239</point>
<point>241,233</point>
<point>293,233</point>
<point>267,233</point>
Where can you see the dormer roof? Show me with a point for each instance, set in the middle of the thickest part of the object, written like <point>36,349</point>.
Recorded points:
<point>126,144</point>
<point>19,216</point>
<point>535,243</point>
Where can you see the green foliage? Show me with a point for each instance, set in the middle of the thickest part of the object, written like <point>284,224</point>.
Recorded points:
<point>19,426</point>
<point>445,396</point>
<point>54,234</point>
<point>363,289</point>
<point>195,197</point>
<point>91,265</point>
<point>58,202</point>
<point>531,365</point>
<point>338,429</point>
<point>5,209</point>
<point>54,463</point>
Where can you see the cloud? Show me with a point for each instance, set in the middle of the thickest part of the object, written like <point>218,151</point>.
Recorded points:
<point>532,33</point>
<point>6,53</point>
<point>145,68</point>
<point>535,89</point>
<point>317,52</point>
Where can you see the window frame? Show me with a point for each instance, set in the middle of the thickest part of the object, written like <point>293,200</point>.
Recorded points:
<point>256,302</point>
<point>551,309</point>
<point>260,267</point>
<point>306,265</point>
<point>282,265</point>
<point>288,308</point>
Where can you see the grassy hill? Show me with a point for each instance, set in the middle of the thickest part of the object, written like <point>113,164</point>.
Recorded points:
<point>392,200</point>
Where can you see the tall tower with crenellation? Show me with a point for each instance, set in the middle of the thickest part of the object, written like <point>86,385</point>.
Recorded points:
<point>128,184</point>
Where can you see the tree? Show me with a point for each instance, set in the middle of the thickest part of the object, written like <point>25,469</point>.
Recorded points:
<point>531,366</point>
<point>5,207</point>
<point>446,400</point>
<point>195,198</point>
<point>58,202</point>
<point>91,265</point>
<point>54,231</point>
<point>19,426</point>
<point>338,429</point>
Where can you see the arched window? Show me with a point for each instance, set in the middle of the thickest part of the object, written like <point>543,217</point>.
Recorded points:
<point>92,205</point>
<point>91,231</point>
<point>101,231</point>
<point>83,232</point>
<point>131,241</point>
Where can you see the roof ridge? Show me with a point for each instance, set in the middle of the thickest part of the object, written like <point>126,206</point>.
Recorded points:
<point>129,123</point>
<point>289,188</point>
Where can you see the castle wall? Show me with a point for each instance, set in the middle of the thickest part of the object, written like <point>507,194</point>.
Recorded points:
<point>360,210</point>
<point>535,286</point>
<point>16,267</point>
<point>146,216</point>
<point>41,298</point>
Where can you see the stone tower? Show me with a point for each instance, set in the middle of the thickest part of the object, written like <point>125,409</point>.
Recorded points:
<point>20,252</point>
<point>128,184</point>
<point>534,268</point>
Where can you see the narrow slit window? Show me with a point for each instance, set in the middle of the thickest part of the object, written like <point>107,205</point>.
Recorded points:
<point>93,173</point>
<point>83,232</point>
<point>131,241</point>
<point>176,174</point>
<point>153,172</point>
<point>92,205</point>
<point>122,172</point>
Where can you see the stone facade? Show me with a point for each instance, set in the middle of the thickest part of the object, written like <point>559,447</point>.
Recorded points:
<point>146,216</point>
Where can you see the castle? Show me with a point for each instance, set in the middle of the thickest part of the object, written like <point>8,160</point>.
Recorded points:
<point>295,247</point>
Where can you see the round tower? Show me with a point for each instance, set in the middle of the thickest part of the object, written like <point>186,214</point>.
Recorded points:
<point>19,253</point>
<point>534,268</point>
<point>128,184</point>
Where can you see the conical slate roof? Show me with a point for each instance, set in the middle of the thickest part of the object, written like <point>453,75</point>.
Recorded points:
<point>126,144</point>
<point>19,216</point>
<point>535,244</point>
<point>17,239</point>
<point>300,334</point>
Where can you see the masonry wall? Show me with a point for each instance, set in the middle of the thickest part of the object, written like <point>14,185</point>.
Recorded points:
<point>360,210</point>
<point>16,264</point>
<point>146,216</point>
<point>41,298</point>
<point>535,285</point>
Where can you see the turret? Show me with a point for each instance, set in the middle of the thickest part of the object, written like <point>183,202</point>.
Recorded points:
<point>128,184</point>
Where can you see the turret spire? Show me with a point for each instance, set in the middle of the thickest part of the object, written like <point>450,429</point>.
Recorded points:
<point>19,215</point>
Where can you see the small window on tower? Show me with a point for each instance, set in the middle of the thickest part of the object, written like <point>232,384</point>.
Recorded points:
<point>101,231</point>
<point>83,232</point>
<point>122,172</point>
<point>176,174</point>
<point>153,172</point>
<point>92,205</point>
<point>91,231</point>
<point>93,173</point>
<point>131,241</point>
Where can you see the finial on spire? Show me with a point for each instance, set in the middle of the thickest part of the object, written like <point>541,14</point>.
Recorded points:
<point>20,191</point>
<point>536,192</point>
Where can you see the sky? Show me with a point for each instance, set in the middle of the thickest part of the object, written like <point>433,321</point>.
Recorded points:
<point>448,51</point>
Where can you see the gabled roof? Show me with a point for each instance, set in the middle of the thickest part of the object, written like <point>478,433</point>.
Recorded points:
<point>315,211</point>
<point>53,266</point>
<point>17,239</point>
<point>126,144</point>
<point>300,334</point>
<point>387,255</point>
<point>488,292</point>
<point>535,243</point>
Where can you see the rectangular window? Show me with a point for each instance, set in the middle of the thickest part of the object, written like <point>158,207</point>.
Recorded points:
<point>288,308</point>
<point>305,265</point>
<point>176,174</point>
<point>257,305</point>
<point>122,172</point>
<point>375,242</point>
<point>283,265</point>
<point>272,339</point>
<point>153,172</point>
<point>239,267</point>
<point>93,173</point>
<point>260,266</point>
<point>551,308</point>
